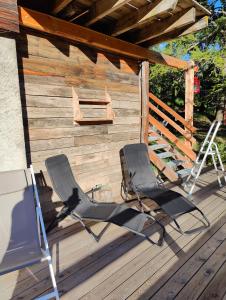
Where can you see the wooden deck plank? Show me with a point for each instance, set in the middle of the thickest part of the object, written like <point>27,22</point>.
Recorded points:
<point>100,276</point>
<point>122,265</point>
<point>217,287</point>
<point>187,270</point>
<point>139,261</point>
<point>150,287</point>
<point>68,230</point>
<point>109,270</point>
<point>148,270</point>
<point>200,280</point>
<point>70,257</point>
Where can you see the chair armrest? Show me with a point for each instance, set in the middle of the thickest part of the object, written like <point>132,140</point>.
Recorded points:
<point>94,189</point>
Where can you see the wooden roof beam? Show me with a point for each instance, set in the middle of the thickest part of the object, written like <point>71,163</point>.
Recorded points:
<point>144,14</point>
<point>198,25</point>
<point>179,20</point>
<point>201,7</point>
<point>63,29</point>
<point>102,8</point>
<point>59,5</point>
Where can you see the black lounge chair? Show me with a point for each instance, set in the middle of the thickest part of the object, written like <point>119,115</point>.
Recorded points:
<point>80,206</point>
<point>139,180</point>
<point>23,240</point>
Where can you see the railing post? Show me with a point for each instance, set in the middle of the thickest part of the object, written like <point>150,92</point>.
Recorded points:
<point>189,98</point>
<point>144,88</point>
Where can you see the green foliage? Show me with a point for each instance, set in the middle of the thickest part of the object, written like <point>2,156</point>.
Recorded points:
<point>222,148</point>
<point>207,49</point>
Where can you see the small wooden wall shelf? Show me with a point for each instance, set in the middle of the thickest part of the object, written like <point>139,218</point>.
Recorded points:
<point>79,117</point>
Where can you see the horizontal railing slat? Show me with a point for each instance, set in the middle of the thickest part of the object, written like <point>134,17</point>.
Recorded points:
<point>172,112</point>
<point>186,134</point>
<point>171,137</point>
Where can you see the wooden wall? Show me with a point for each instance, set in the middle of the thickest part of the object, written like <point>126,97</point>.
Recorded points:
<point>49,68</point>
<point>9,19</point>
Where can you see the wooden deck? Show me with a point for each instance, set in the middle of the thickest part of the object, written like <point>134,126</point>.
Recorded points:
<point>124,266</point>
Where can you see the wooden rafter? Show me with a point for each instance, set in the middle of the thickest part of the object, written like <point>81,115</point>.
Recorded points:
<point>143,15</point>
<point>201,7</point>
<point>52,25</point>
<point>179,20</point>
<point>60,5</point>
<point>200,24</point>
<point>101,8</point>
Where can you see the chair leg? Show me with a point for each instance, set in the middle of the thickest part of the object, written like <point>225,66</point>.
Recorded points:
<point>204,217</point>
<point>160,241</point>
<point>53,279</point>
<point>86,228</point>
<point>55,293</point>
<point>178,226</point>
<point>197,229</point>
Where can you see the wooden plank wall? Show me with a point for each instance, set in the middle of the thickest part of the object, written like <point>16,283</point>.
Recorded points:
<point>48,69</point>
<point>9,19</point>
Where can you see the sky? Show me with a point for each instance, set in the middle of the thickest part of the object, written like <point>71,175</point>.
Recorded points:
<point>218,3</point>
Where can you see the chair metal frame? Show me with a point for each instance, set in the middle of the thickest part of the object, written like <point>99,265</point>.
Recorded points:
<point>42,233</point>
<point>139,195</point>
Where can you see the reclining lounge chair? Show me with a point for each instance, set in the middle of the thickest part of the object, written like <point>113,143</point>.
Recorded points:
<point>22,231</point>
<point>80,206</point>
<point>139,180</point>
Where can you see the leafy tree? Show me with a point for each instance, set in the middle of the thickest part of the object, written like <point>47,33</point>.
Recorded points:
<point>207,49</point>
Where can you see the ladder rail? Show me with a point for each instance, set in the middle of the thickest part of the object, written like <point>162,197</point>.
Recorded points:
<point>209,142</point>
<point>220,161</point>
<point>215,164</point>
<point>206,141</point>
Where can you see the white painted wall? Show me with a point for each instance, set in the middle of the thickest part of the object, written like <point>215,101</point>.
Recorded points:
<point>12,147</point>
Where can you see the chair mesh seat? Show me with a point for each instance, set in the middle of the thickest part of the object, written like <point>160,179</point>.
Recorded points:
<point>19,242</point>
<point>22,231</point>
<point>173,203</point>
<point>82,205</point>
<point>139,177</point>
<point>20,258</point>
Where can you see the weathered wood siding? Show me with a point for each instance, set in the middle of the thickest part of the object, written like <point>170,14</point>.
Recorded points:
<point>49,68</point>
<point>9,19</point>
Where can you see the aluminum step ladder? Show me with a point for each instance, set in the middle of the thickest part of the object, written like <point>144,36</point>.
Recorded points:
<point>209,148</point>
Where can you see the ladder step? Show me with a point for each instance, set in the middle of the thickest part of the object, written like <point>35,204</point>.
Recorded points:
<point>194,173</point>
<point>184,172</point>
<point>199,164</point>
<point>209,153</point>
<point>158,146</point>
<point>175,163</point>
<point>165,154</point>
<point>153,138</point>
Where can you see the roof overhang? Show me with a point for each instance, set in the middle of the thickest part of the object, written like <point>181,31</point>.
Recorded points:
<point>142,22</point>
<point>76,33</point>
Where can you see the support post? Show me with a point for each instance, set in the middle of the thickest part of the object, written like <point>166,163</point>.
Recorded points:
<point>144,84</point>
<point>189,97</point>
<point>12,149</point>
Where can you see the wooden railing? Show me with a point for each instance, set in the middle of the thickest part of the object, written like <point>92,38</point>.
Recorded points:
<point>170,116</point>
<point>174,114</point>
